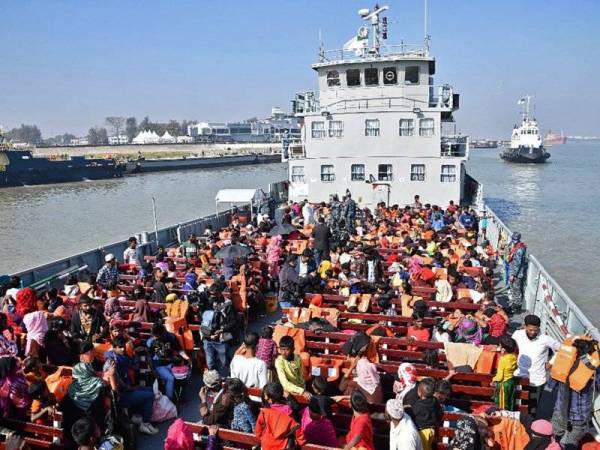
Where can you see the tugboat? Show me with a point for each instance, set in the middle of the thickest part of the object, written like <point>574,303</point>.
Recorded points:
<point>526,142</point>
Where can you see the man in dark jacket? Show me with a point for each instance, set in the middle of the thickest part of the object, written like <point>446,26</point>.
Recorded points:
<point>288,283</point>
<point>217,328</point>
<point>87,323</point>
<point>322,236</point>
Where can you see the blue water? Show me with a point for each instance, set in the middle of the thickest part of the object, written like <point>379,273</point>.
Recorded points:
<point>556,206</point>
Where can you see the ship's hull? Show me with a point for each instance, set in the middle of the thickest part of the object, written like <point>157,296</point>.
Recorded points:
<point>558,140</point>
<point>525,155</point>
<point>19,168</point>
<point>161,165</point>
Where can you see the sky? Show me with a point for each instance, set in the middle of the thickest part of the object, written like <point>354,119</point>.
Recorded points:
<point>67,64</point>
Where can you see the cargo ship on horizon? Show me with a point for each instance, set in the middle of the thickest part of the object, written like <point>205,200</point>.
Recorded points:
<point>555,139</point>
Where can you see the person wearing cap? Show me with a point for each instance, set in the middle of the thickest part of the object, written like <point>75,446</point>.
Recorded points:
<point>108,273</point>
<point>517,271</point>
<point>403,433</point>
<point>88,324</point>
<point>209,393</point>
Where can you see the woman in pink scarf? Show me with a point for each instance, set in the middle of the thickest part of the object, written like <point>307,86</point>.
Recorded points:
<point>14,395</point>
<point>37,327</point>
<point>274,256</point>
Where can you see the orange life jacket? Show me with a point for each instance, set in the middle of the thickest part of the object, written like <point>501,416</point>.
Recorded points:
<point>565,361</point>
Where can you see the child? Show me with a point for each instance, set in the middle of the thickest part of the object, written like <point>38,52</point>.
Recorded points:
<point>316,426</point>
<point>417,332</point>
<point>504,380</point>
<point>32,369</point>
<point>267,348</point>
<point>361,427</point>
<point>40,404</point>
<point>289,369</point>
<point>427,412</point>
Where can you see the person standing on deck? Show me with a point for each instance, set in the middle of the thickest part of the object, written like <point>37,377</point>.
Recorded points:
<point>322,236</point>
<point>575,399</point>
<point>131,255</point>
<point>108,273</point>
<point>517,270</point>
<point>336,212</point>
<point>349,212</point>
<point>191,247</point>
<point>308,213</point>
<point>534,348</point>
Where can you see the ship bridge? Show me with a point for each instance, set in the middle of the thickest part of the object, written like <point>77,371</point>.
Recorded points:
<point>377,117</point>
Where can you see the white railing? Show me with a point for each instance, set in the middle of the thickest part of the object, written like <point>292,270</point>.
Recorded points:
<point>432,96</point>
<point>401,49</point>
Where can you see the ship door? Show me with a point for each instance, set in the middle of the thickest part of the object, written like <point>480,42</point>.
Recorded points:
<point>381,193</point>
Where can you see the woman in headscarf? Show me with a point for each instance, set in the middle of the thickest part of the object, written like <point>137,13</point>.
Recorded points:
<point>112,309</point>
<point>467,435</point>
<point>14,396</point>
<point>37,327</point>
<point>444,291</point>
<point>407,380</point>
<point>26,301</point>
<point>469,331</point>
<point>541,435</point>
<point>141,311</point>
<point>274,256</point>
<point>325,269</point>
<point>87,389</point>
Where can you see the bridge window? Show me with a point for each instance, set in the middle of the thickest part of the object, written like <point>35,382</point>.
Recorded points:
<point>327,173</point>
<point>407,127</point>
<point>384,172</point>
<point>333,78</point>
<point>318,129</point>
<point>357,172</point>
<point>297,174</point>
<point>417,172</point>
<point>389,75</point>
<point>336,128</point>
<point>411,75</point>
<point>372,127</point>
<point>353,77</point>
<point>426,127</point>
<point>371,77</point>
<point>448,174</point>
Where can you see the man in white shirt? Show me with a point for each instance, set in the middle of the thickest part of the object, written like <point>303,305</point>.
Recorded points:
<point>247,367</point>
<point>130,255</point>
<point>534,349</point>
<point>403,433</point>
<point>308,213</point>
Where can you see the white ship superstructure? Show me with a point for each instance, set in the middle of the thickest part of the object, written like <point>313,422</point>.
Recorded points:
<point>375,125</point>
<point>526,141</point>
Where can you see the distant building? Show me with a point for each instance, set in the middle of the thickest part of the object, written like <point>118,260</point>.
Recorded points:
<point>80,141</point>
<point>118,140</point>
<point>185,140</point>
<point>209,131</point>
<point>277,126</point>
<point>146,137</point>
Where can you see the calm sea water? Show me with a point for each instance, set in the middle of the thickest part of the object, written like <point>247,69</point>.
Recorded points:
<point>39,224</point>
<point>555,206</point>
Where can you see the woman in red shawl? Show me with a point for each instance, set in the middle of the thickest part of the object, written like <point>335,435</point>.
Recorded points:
<point>26,302</point>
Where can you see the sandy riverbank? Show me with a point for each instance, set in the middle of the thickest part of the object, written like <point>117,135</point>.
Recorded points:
<point>164,150</point>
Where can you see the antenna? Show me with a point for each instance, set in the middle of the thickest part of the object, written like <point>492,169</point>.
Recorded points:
<point>426,25</point>
<point>373,16</point>
<point>321,46</point>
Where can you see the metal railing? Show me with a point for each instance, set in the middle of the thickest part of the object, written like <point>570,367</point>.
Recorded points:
<point>367,53</point>
<point>435,96</point>
<point>454,146</point>
<point>543,295</point>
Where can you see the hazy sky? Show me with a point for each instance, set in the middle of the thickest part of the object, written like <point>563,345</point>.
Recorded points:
<point>67,64</point>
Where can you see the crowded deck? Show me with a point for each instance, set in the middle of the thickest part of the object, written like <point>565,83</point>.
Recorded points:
<point>396,326</point>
